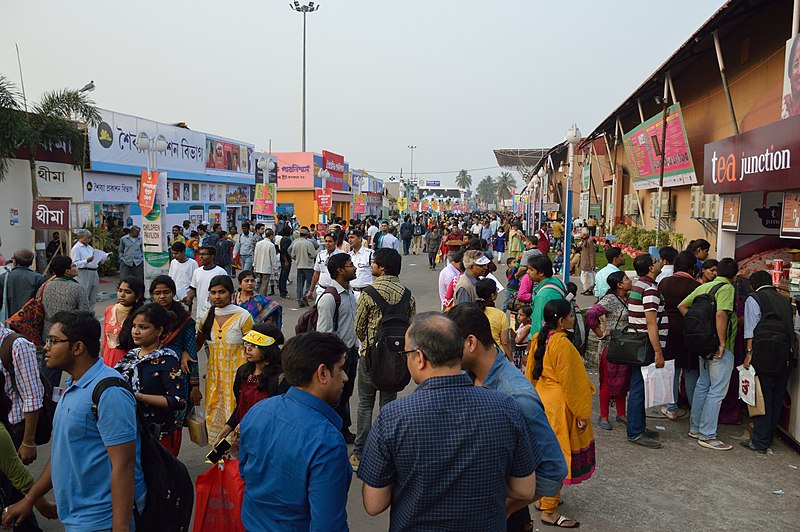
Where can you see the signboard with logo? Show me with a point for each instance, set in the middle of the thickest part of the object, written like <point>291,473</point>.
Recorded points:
<point>50,215</point>
<point>586,176</point>
<point>334,163</point>
<point>433,183</point>
<point>551,207</point>
<point>147,191</point>
<point>790,220</point>
<point>109,188</point>
<point>228,155</point>
<point>763,159</point>
<point>152,231</point>
<point>324,199</point>
<point>295,170</point>
<point>643,149</point>
<point>731,209</point>
<point>155,264</point>
<point>359,203</point>
<point>265,200</point>
<point>112,142</point>
<point>584,205</point>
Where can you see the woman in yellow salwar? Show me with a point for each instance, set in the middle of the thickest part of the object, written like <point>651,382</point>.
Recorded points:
<point>564,387</point>
<point>221,327</point>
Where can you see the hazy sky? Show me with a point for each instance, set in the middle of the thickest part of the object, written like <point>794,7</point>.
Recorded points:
<point>455,78</point>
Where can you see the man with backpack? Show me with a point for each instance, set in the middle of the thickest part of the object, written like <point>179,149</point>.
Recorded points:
<point>406,234</point>
<point>336,309</point>
<point>772,350</point>
<point>95,463</point>
<point>419,230</point>
<point>710,325</point>
<point>386,264</point>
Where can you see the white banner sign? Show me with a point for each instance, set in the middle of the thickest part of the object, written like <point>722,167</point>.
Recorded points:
<point>109,188</point>
<point>56,179</point>
<point>113,141</point>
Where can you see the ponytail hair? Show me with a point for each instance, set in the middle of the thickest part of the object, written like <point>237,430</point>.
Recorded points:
<point>553,311</point>
<point>484,289</point>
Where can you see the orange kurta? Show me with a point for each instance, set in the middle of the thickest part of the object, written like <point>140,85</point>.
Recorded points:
<point>566,392</point>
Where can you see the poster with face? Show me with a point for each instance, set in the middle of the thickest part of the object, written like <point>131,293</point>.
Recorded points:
<point>186,192</point>
<point>176,191</point>
<point>220,192</point>
<point>790,104</point>
<point>212,193</point>
<point>195,192</point>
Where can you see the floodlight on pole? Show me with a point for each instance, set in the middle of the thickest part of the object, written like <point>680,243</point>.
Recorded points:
<point>572,138</point>
<point>304,9</point>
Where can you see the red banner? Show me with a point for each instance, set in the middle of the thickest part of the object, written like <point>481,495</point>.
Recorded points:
<point>360,203</point>
<point>147,191</point>
<point>324,199</point>
<point>265,199</point>
<point>333,163</point>
<point>414,206</point>
<point>50,215</point>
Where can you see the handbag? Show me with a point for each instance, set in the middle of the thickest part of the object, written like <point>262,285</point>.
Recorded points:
<point>630,348</point>
<point>29,320</point>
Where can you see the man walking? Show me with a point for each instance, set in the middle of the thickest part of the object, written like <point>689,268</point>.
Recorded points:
<point>339,318</point>
<point>646,315</point>
<point>390,240</point>
<point>450,456</point>
<point>322,279</point>
<point>131,255</point>
<point>362,258</point>
<point>19,284</point>
<point>95,464</point>
<point>406,233</point>
<point>715,373</point>
<point>265,261</point>
<point>245,247</point>
<point>386,264</point>
<point>587,247</point>
<point>615,259</point>
<point>453,269</point>
<point>292,457</point>
<point>475,265</point>
<point>303,253</point>
<point>417,231</point>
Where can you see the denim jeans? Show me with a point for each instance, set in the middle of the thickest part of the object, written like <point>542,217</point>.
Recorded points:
<point>636,416</point>
<point>406,245</point>
<point>366,404</point>
<point>247,263</point>
<point>712,386</point>
<point>773,389</point>
<point>304,276</point>
<point>689,382</point>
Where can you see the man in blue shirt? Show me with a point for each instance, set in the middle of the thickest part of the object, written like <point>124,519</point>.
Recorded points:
<point>615,259</point>
<point>292,456</point>
<point>450,456</point>
<point>95,467</point>
<point>491,369</point>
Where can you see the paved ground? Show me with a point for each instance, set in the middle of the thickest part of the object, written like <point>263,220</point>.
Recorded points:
<point>681,486</point>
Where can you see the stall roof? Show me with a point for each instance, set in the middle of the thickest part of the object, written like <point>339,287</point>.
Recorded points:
<point>725,20</point>
<point>517,158</point>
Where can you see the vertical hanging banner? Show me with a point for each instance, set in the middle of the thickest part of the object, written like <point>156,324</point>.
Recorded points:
<point>324,199</point>
<point>402,203</point>
<point>264,203</point>
<point>360,203</point>
<point>147,191</point>
<point>152,230</point>
<point>414,206</point>
<point>586,176</point>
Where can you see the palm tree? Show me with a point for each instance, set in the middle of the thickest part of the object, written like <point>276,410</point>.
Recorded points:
<point>505,182</point>
<point>487,190</point>
<point>58,118</point>
<point>463,180</point>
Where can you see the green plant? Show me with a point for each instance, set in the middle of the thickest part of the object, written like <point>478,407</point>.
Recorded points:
<point>642,239</point>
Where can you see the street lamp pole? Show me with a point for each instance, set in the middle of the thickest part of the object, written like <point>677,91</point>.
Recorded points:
<point>411,179</point>
<point>572,138</point>
<point>304,9</point>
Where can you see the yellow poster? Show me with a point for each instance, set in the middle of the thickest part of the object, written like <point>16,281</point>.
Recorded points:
<point>402,203</point>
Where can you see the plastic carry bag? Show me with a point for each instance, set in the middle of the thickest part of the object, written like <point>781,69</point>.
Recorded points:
<point>658,384</point>
<point>220,492</point>
<point>747,385</point>
<point>196,423</point>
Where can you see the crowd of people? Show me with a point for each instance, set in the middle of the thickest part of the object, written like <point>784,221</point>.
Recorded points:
<point>501,417</point>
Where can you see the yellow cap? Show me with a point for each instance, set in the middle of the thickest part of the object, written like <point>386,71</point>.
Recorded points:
<point>256,338</point>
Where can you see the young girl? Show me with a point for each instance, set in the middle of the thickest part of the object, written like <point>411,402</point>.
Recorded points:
<point>222,328</point>
<point>154,372</point>
<point>116,325</point>
<point>486,290</point>
<point>521,341</point>
<point>261,308</point>
<point>500,243</point>
<point>261,376</point>
<point>180,334</point>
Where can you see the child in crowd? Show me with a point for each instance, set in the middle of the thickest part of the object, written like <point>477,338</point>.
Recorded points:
<point>512,287</point>
<point>521,340</point>
<point>558,263</point>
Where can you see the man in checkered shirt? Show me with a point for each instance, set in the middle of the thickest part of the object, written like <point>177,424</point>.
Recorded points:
<point>448,456</point>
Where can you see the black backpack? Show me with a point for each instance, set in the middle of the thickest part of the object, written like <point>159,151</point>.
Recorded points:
<point>308,321</point>
<point>386,365</point>
<point>580,330</point>
<point>417,229</point>
<point>700,325</point>
<point>170,492</point>
<point>773,337</point>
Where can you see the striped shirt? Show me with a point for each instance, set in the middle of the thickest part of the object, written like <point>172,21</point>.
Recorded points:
<point>645,297</point>
<point>26,392</point>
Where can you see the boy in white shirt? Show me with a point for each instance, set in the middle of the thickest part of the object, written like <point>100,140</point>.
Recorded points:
<point>181,269</point>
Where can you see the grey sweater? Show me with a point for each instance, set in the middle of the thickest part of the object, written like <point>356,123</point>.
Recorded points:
<point>61,294</point>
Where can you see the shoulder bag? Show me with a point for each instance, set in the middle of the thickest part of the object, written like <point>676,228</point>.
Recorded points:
<point>628,347</point>
<point>29,320</point>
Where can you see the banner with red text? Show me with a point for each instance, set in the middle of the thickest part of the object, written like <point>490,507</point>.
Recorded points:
<point>324,199</point>
<point>147,191</point>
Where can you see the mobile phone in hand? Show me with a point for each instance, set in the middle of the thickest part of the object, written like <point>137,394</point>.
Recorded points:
<point>219,451</point>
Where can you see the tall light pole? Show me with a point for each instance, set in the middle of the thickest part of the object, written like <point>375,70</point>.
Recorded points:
<point>542,187</point>
<point>536,183</point>
<point>572,138</point>
<point>304,9</point>
<point>411,180</point>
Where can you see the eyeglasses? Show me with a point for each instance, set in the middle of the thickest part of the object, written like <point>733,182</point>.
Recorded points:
<point>50,342</point>
<point>406,353</point>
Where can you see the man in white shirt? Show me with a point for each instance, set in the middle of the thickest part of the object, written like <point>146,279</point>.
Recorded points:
<point>322,279</point>
<point>244,247</point>
<point>265,260</point>
<point>362,259</point>
<point>371,230</point>
<point>181,269</point>
<point>83,256</point>
<point>201,278</point>
<point>668,255</point>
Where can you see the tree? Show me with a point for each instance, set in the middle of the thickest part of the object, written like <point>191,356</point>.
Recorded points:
<point>486,190</point>
<point>463,180</point>
<point>58,118</point>
<point>504,183</point>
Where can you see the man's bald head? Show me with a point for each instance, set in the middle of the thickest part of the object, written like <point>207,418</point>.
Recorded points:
<point>438,337</point>
<point>23,257</point>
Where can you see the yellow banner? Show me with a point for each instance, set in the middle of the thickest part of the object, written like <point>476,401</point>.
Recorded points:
<point>402,203</point>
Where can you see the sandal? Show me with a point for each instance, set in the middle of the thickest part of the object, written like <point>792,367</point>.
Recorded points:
<point>717,445</point>
<point>560,522</point>
<point>537,505</point>
<point>604,424</point>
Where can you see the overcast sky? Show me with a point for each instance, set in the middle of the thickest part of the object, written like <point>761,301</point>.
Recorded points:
<point>457,79</point>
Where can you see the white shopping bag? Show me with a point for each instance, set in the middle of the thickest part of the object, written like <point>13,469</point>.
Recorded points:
<point>658,384</point>
<point>747,385</point>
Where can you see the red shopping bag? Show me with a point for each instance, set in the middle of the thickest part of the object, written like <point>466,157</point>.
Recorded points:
<point>220,491</point>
